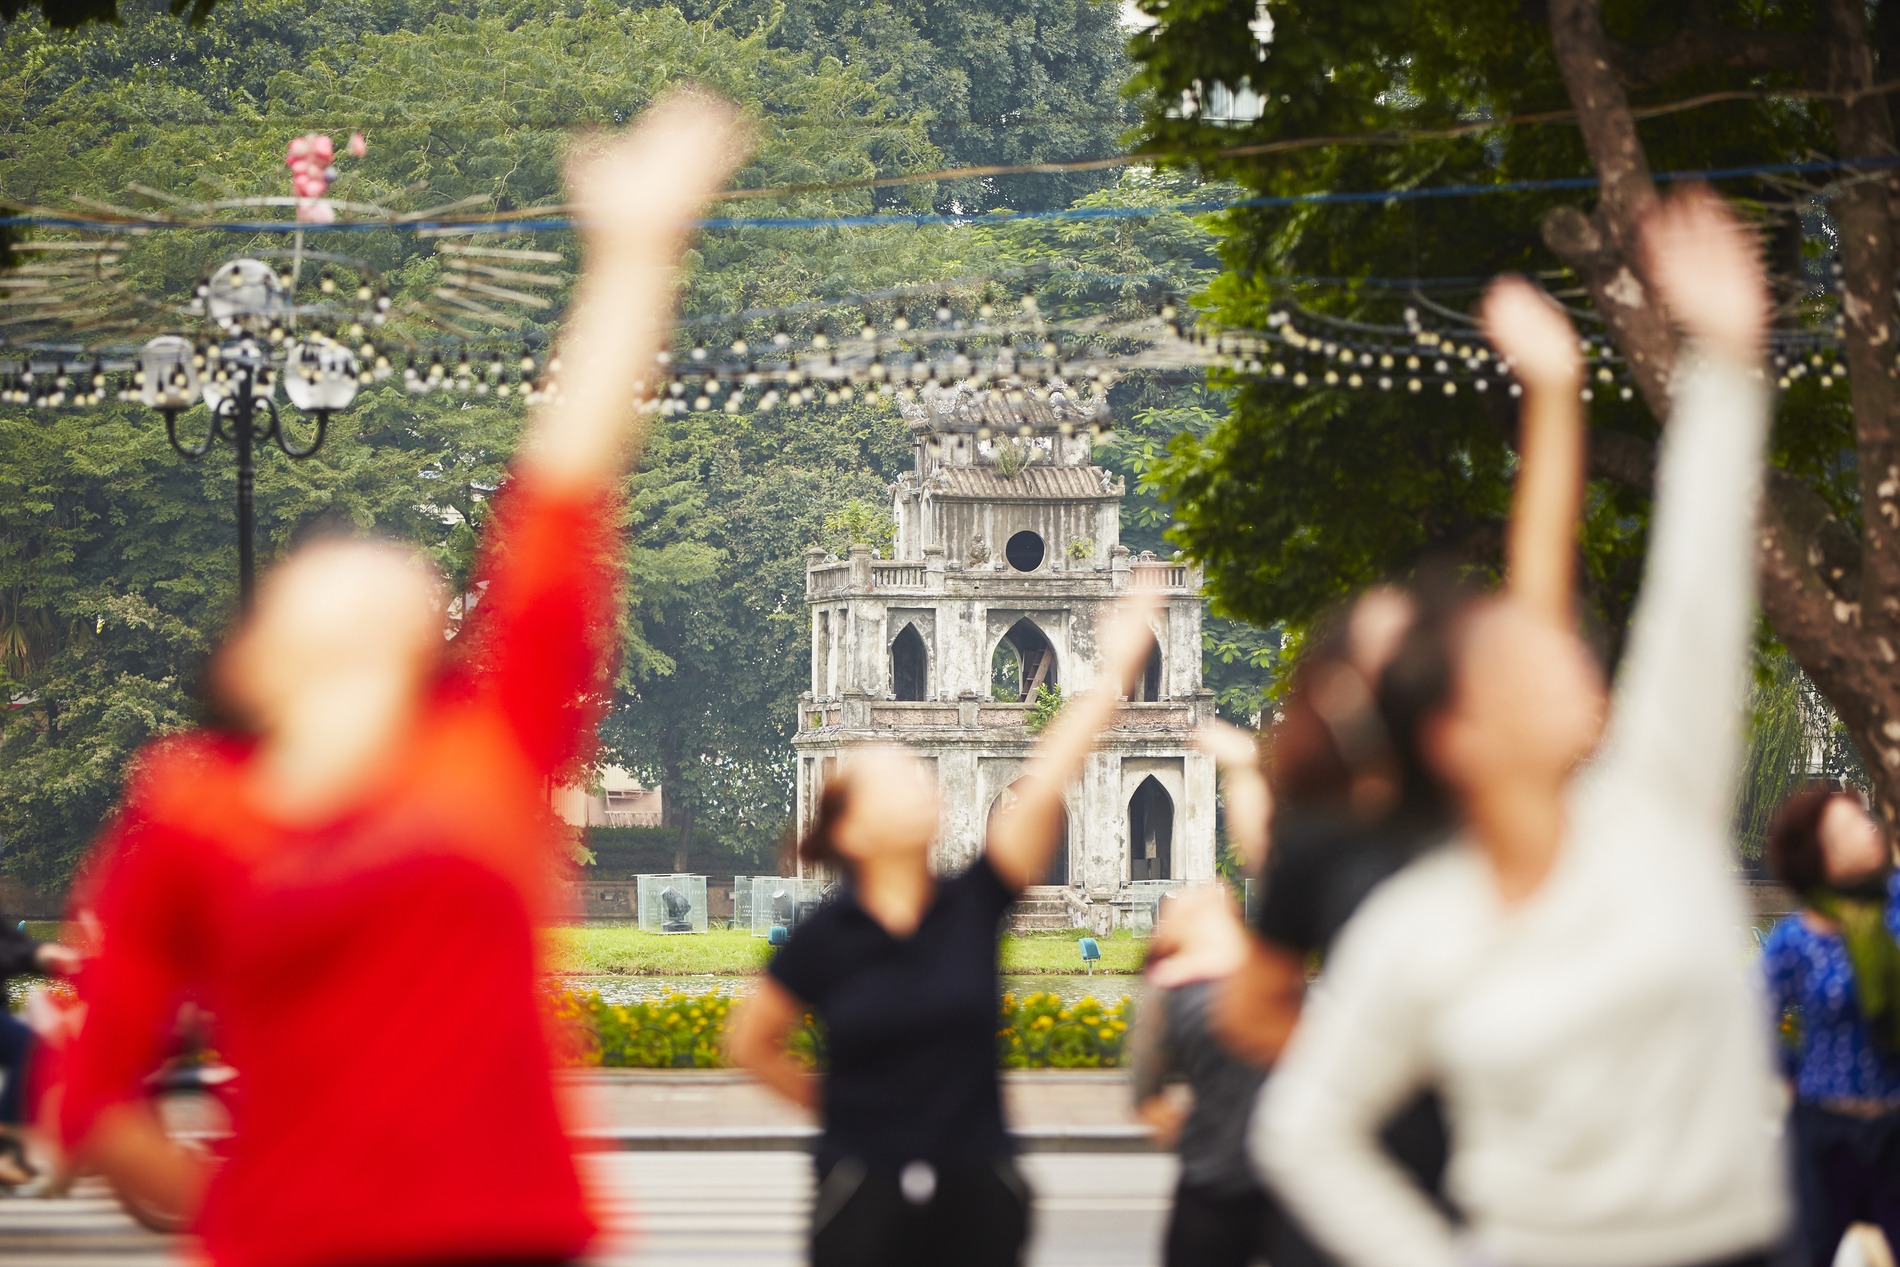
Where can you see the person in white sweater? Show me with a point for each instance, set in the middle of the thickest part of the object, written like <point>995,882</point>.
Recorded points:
<point>1567,972</point>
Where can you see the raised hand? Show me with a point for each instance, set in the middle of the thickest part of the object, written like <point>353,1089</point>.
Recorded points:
<point>635,197</point>
<point>1249,799</point>
<point>1706,264</point>
<point>1129,635</point>
<point>1232,748</point>
<point>1026,831</point>
<point>1536,338</point>
<point>643,187</point>
<point>1526,328</point>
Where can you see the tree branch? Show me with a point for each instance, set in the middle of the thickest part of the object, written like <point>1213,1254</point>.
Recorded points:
<point>1623,459</point>
<point>1703,45</point>
<point>1863,209</point>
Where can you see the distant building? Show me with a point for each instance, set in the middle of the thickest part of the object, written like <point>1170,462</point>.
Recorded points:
<point>619,800</point>
<point>1007,559</point>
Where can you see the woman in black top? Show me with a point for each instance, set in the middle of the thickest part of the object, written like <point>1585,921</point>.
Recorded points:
<point>901,970</point>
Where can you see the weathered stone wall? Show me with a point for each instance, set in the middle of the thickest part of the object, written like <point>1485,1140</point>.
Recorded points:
<point>951,583</point>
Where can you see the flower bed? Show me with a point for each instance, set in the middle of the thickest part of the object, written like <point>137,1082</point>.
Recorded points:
<point>687,1031</point>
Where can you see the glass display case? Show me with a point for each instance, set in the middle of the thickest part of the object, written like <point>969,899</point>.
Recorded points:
<point>783,901</point>
<point>672,903</point>
<point>1138,905</point>
<point>742,901</point>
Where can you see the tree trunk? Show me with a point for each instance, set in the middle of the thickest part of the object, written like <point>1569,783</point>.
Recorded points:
<point>1833,600</point>
<point>682,845</point>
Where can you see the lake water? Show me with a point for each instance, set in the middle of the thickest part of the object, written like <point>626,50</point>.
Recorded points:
<point>635,989</point>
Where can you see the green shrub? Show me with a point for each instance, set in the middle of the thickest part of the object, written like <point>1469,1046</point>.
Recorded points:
<point>687,1031</point>
<point>1040,1031</point>
<point>1047,704</point>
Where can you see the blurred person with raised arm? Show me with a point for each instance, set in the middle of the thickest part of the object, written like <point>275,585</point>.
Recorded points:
<point>350,878</point>
<point>1566,972</point>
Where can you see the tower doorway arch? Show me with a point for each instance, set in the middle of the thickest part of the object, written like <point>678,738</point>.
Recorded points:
<point>910,665</point>
<point>1023,661</point>
<point>1058,872</point>
<point>1149,691</point>
<point>1151,832</point>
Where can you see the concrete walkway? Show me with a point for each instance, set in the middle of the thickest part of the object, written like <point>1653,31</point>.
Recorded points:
<point>1049,1110</point>
<point>684,1210</point>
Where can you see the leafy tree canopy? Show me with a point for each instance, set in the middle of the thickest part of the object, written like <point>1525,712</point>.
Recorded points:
<point>1299,497</point>
<point>115,555</point>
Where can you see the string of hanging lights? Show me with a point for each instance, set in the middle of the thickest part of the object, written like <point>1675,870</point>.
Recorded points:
<point>893,342</point>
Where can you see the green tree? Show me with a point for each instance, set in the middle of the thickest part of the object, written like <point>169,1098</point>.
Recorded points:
<point>1300,496</point>
<point>714,724</point>
<point>115,555</point>
<point>999,82</point>
<point>1795,737</point>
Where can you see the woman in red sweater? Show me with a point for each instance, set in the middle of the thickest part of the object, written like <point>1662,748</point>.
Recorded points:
<point>352,883</point>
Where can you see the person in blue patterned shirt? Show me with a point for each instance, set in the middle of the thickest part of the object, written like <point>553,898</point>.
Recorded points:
<point>1833,972</point>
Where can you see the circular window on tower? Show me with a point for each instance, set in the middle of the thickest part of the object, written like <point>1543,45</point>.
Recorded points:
<point>1024,552</point>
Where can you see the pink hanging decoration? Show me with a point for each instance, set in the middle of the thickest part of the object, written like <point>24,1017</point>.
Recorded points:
<point>308,158</point>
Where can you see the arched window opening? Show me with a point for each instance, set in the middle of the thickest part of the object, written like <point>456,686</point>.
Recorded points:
<point>1023,662</point>
<point>1024,551</point>
<point>1151,832</point>
<point>910,665</point>
<point>1058,872</point>
<point>1149,692</point>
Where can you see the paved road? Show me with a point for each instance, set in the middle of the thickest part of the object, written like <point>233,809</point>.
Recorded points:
<point>691,1210</point>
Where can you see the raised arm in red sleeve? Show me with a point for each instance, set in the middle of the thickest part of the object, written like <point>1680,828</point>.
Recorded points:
<point>539,642</point>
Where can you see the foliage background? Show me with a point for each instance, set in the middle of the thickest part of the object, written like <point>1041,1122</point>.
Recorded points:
<point>116,557</point>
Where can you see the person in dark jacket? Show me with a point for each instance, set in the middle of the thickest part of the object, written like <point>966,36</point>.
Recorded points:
<point>20,955</point>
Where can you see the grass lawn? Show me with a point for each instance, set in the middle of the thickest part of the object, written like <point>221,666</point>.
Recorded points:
<point>612,950</point>
<point>615,950</point>
<point>1057,952</point>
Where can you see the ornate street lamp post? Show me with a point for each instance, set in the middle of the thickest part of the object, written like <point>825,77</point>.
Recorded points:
<point>237,380</point>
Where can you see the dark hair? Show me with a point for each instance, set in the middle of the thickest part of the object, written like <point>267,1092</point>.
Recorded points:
<point>819,845</point>
<point>1793,849</point>
<point>1301,755</point>
<point>1420,682</point>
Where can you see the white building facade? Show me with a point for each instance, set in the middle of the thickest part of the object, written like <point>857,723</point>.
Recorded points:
<point>1007,562</point>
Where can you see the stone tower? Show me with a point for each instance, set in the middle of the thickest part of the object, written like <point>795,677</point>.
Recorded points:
<point>1007,560</point>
